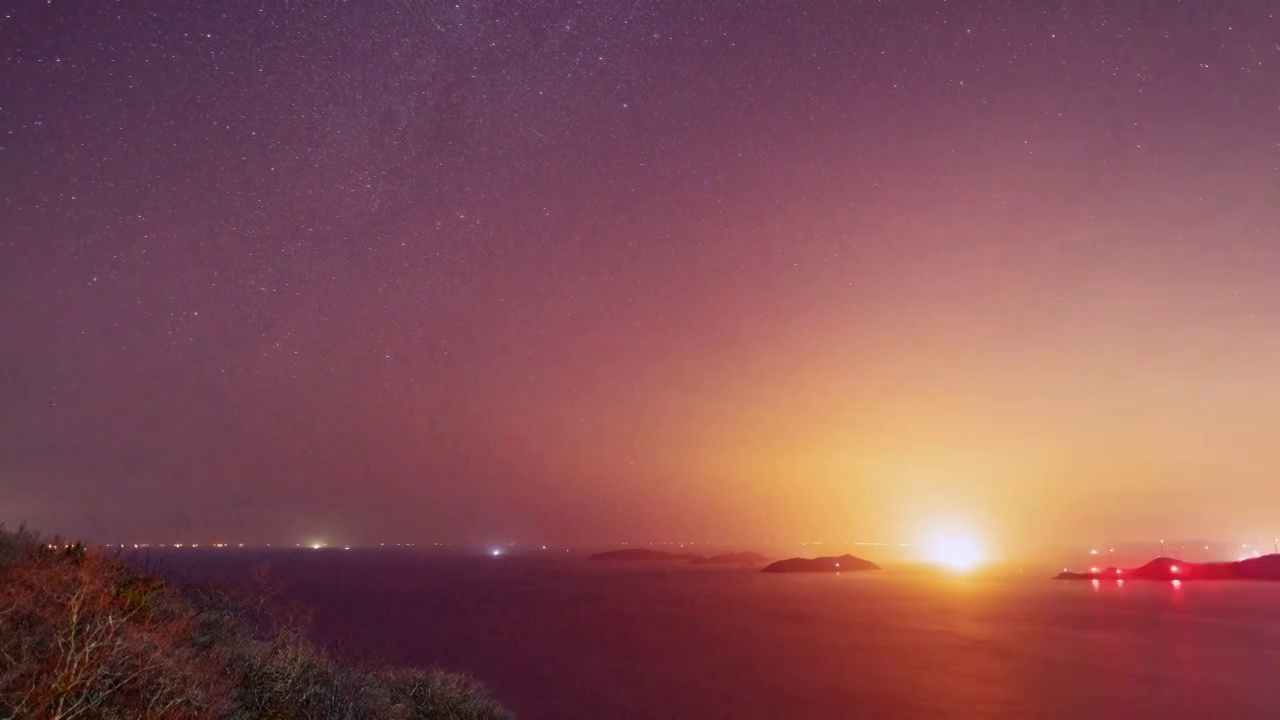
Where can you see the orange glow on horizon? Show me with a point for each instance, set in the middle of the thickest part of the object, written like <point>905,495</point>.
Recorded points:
<point>956,552</point>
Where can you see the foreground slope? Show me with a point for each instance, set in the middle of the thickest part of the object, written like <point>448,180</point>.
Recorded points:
<point>82,635</point>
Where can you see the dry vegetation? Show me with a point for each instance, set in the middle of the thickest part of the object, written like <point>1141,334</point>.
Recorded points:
<point>82,635</point>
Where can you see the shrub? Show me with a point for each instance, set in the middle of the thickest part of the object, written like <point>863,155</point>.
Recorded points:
<point>85,636</point>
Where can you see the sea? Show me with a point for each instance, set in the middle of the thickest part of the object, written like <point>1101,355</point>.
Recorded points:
<point>573,638</point>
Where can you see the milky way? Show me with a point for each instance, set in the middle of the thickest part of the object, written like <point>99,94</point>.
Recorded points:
<point>597,271</point>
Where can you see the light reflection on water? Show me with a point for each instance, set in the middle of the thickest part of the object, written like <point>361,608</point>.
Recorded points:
<point>579,639</point>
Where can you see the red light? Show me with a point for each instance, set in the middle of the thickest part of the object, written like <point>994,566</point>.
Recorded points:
<point>1119,571</point>
<point>1173,568</point>
<point>1093,569</point>
<point>1120,582</point>
<point>1177,583</point>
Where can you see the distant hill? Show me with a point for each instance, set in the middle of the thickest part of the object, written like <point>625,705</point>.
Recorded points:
<point>1266,567</point>
<point>842,563</point>
<point>642,554</point>
<point>734,558</point>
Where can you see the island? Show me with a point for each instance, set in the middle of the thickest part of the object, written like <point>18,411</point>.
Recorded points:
<point>642,554</point>
<point>1266,567</point>
<point>841,563</point>
<point>733,558</point>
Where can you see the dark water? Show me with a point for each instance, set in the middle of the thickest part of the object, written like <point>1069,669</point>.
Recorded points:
<point>576,639</point>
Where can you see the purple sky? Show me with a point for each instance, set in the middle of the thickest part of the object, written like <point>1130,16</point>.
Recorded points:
<point>598,271</point>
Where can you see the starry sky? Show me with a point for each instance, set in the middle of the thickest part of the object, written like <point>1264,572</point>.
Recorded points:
<point>561,271</point>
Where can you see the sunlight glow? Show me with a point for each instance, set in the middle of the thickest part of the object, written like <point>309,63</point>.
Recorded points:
<point>956,552</point>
